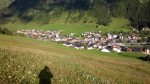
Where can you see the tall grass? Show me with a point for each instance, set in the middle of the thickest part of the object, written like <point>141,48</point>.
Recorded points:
<point>22,59</point>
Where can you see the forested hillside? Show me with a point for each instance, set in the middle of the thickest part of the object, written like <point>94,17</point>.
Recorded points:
<point>5,3</point>
<point>101,11</point>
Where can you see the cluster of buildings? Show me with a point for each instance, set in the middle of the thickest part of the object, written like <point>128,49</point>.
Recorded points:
<point>40,34</point>
<point>87,40</point>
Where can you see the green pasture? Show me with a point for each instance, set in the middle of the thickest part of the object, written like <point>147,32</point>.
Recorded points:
<point>117,25</point>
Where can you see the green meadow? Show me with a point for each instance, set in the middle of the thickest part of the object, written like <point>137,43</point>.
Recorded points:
<point>117,25</point>
<point>22,59</point>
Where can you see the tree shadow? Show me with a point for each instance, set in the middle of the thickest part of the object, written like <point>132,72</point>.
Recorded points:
<point>142,58</point>
<point>146,58</point>
<point>45,76</point>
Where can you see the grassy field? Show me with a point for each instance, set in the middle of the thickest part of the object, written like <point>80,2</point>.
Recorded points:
<point>22,59</point>
<point>117,25</point>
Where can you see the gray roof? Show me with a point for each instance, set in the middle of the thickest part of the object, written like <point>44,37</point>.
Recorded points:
<point>120,44</point>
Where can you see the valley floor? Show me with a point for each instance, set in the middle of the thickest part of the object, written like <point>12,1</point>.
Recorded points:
<point>22,59</point>
<point>117,25</point>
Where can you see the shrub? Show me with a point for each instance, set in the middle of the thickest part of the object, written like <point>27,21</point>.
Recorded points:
<point>5,31</point>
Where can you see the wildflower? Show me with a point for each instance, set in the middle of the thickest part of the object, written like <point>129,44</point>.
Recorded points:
<point>9,76</point>
<point>29,72</point>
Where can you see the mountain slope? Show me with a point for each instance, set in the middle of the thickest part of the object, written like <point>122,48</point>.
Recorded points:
<point>101,11</point>
<point>5,3</point>
<point>22,59</point>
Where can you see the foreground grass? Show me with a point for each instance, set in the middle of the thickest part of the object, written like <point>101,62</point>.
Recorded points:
<point>22,59</point>
<point>117,25</point>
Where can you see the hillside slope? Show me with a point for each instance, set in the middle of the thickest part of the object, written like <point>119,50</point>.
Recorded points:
<point>96,11</point>
<point>22,59</point>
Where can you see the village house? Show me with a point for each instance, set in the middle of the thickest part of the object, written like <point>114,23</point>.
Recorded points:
<point>147,50</point>
<point>145,29</point>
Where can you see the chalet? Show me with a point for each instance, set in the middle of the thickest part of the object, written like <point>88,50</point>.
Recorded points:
<point>117,47</point>
<point>105,50</point>
<point>147,50</point>
<point>145,29</point>
<point>68,44</point>
<point>78,45</point>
